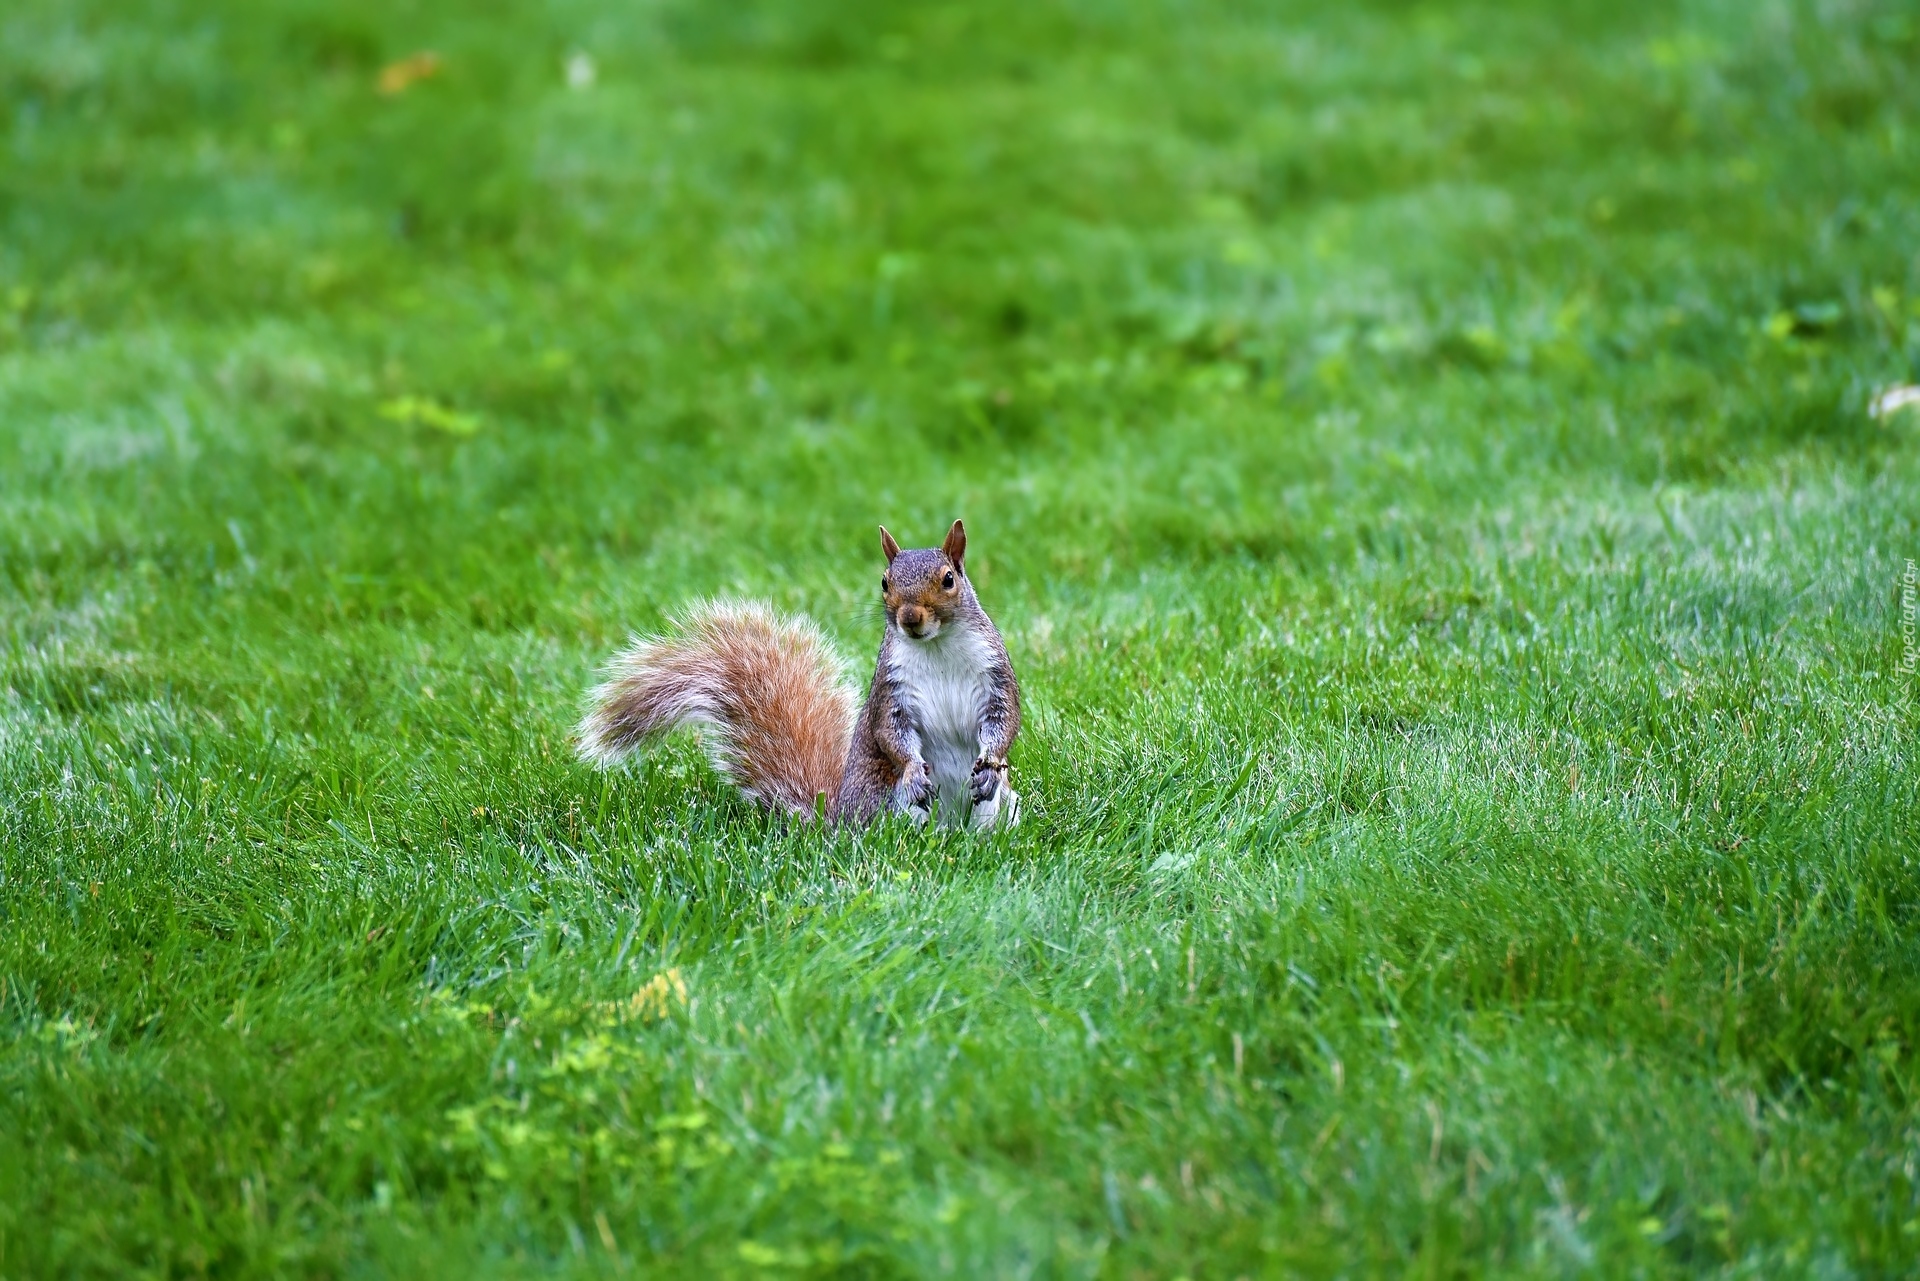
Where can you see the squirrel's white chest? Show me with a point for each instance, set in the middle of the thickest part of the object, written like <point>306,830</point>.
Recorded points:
<point>942,685</point>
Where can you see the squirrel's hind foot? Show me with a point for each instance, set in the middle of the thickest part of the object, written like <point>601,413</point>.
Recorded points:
<point>1001,810</point>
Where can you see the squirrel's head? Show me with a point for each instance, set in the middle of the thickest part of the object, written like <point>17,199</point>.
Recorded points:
<point>923,590</point>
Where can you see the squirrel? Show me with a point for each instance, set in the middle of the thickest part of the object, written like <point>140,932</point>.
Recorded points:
<point>781,725</point>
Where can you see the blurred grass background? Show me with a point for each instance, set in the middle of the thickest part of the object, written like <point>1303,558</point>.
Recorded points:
<point>1417,452</point>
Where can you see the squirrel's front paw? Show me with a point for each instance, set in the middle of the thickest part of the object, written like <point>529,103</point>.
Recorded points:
<point>987,779</point>
<point>916,786</point>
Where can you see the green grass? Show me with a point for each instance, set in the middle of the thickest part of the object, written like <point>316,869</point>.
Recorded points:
<point>1416,452</point>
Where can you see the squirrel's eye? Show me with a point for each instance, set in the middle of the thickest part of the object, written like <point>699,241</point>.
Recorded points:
<point>947,581</point>
<point>885,586</point>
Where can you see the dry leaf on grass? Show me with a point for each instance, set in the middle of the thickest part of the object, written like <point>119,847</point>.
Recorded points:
<point>396,77</point>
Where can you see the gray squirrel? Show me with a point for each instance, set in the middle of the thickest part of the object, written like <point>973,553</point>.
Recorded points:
<point>781,724</point>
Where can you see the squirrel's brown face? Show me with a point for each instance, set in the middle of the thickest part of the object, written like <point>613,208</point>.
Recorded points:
<point>921,590</point>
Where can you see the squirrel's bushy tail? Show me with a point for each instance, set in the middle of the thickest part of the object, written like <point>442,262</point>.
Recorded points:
<point>765,692</point>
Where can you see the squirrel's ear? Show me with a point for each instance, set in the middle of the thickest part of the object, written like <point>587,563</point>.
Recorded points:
<point>887,545</point>
<point>956,545</point>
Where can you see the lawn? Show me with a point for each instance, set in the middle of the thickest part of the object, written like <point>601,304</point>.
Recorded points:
<point>1418,455</point>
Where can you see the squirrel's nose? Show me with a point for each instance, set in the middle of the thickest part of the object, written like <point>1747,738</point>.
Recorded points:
<point>911,617</point>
